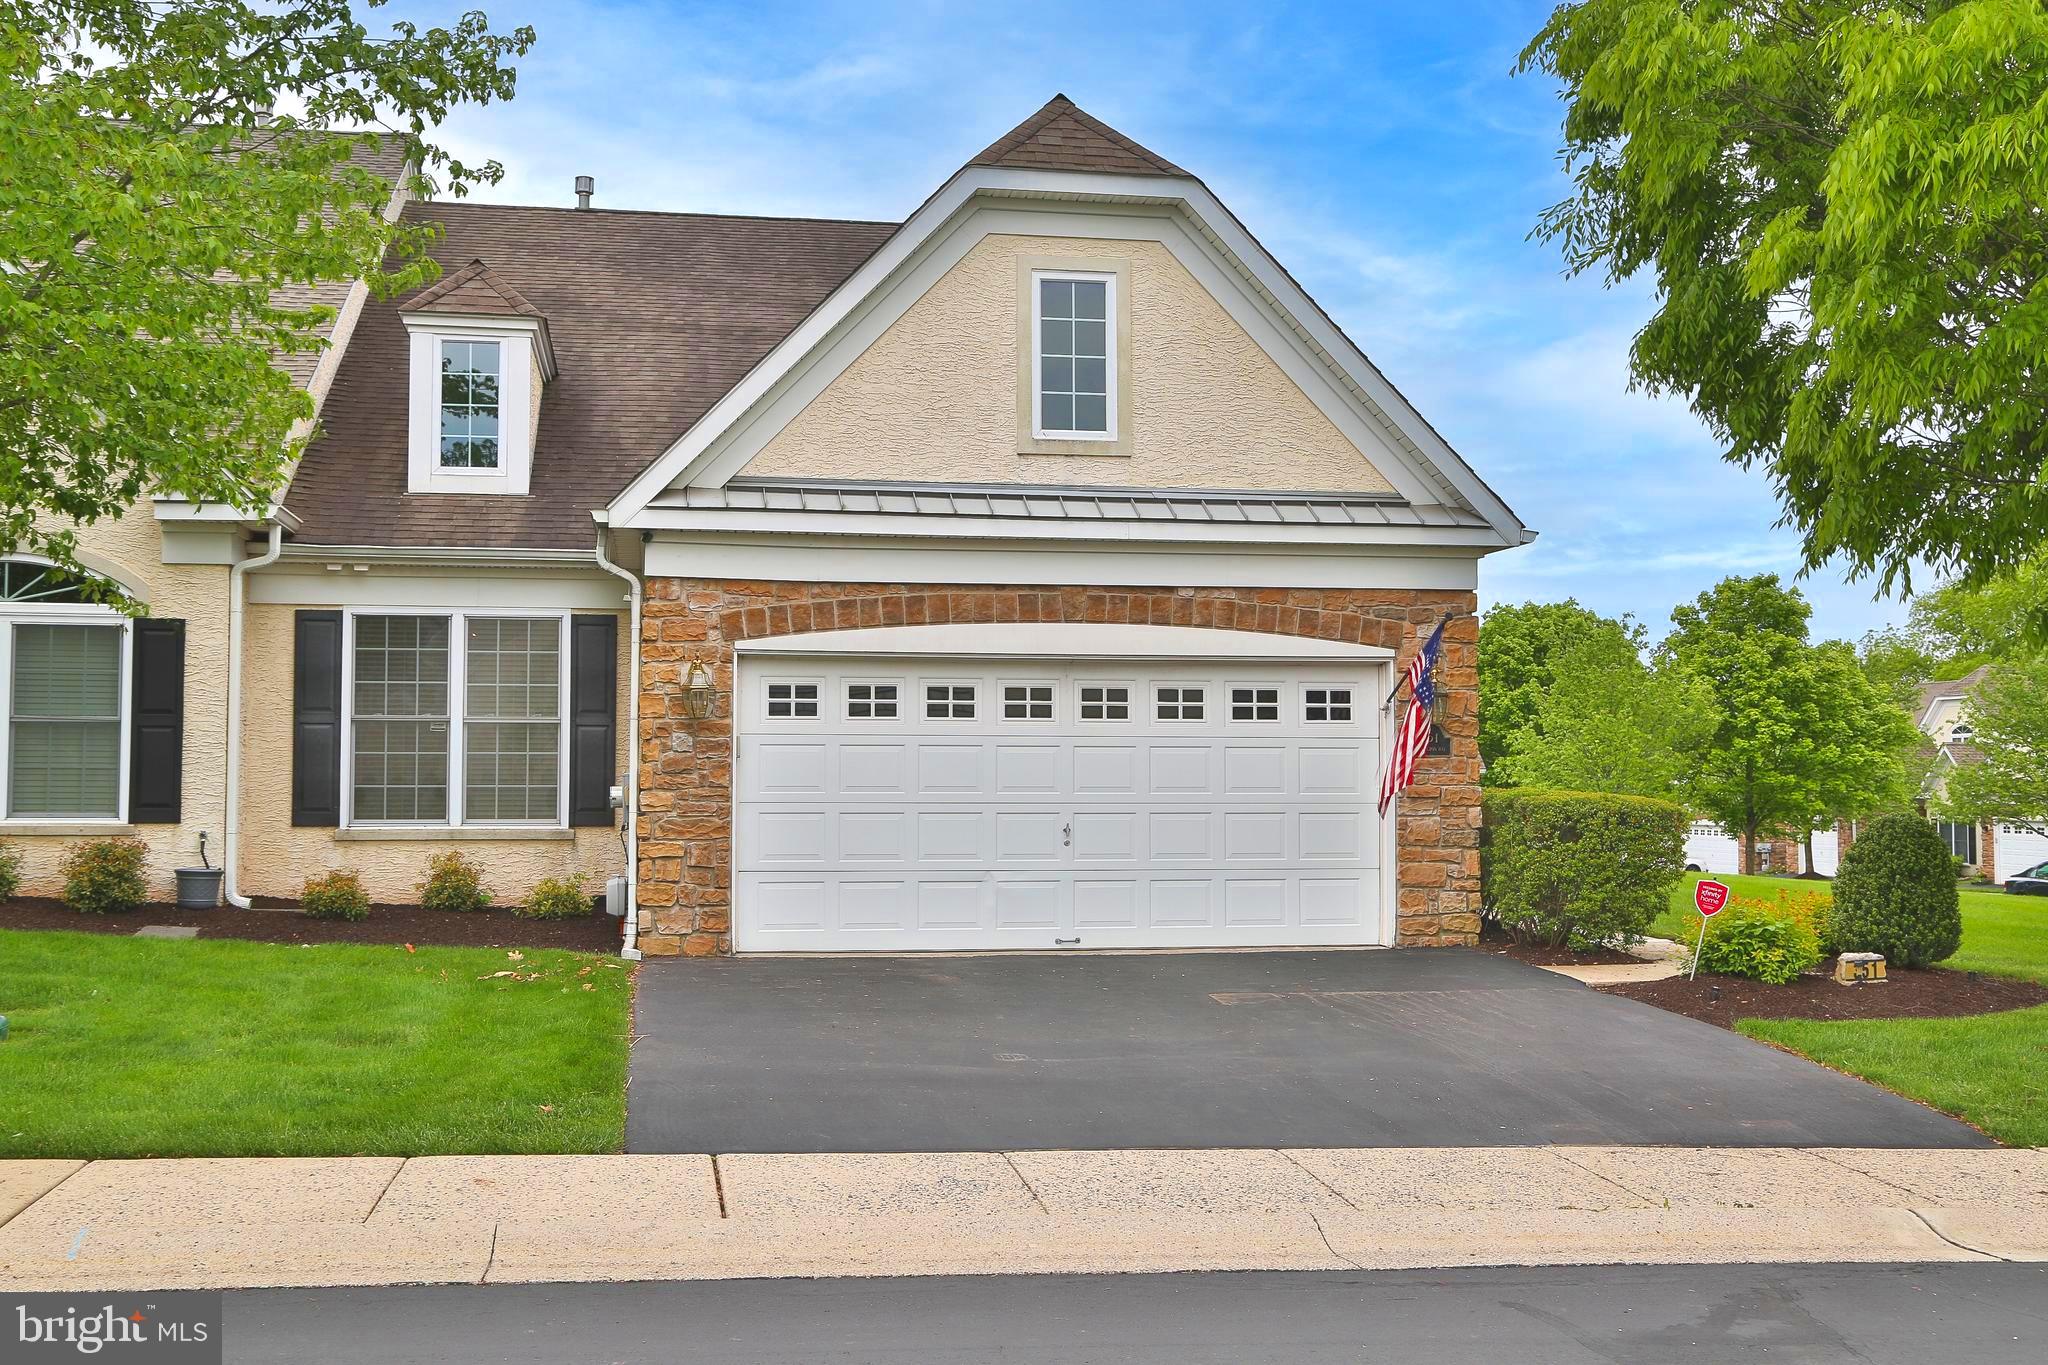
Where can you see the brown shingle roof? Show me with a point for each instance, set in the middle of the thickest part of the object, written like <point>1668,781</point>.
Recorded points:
<point>653,316</point>
<point>475,290</point>
<point>385,156</point>
<point>1062,137</point>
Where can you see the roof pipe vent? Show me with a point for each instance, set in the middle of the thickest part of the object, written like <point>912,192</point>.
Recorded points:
<point>585,187</point>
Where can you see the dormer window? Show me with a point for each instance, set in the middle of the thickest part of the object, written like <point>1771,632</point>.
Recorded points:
<point>470,373</point>
<point>480,358</point>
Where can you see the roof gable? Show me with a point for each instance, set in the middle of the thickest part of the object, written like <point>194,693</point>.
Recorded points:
<point>473,291</point>
<point>1061,136</point>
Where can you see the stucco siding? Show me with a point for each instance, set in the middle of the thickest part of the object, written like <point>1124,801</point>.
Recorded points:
<point>278,856</point>
<point>936,395</point>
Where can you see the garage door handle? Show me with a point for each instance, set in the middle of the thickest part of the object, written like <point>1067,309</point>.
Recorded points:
<point>1066,943</point>
<point>1067,835</point>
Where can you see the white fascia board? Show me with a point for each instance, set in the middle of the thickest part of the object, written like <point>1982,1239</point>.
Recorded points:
<point>1473,539</point>
<point>1068,640</point>
<point>1312,331</point>
<point>445,555</point>
<point>837,559</point>
<point>172,509</point>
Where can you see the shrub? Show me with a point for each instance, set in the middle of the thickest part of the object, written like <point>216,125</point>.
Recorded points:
<point>104,877</point>
<point>1579,868</point>
<point>338,895</point>
<point>1812,910</point>
<point>454,882</point>
<point>556,898</point>
<point>1759,944</point>
<point>1895,894</point>
<point>10,870</point>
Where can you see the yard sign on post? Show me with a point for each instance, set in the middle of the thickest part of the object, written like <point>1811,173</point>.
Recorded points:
<point>1708,897</point>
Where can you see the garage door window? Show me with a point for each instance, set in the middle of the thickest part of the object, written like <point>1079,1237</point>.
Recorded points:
<point>949,701</point>
<point>1027,702</point>
<point>1105,703</point>
<point>1322,705</point>
<point>871,701</point>
<point>1179,703</point>
<point>792,701</point>
<point>1255,703</point>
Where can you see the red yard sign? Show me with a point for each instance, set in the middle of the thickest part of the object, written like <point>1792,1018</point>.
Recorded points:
<point>1710,897</point>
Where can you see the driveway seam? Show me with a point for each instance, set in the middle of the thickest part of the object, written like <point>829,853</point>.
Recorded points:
<point>491,1260</point>
<point>1294,1161</point>
<point>1960,1246</point>
<point>378,1203</point>
<point>1650,1199</point>
<point>718,1184</point>
<point>1026,1182</point>
<point>1902,1189</point>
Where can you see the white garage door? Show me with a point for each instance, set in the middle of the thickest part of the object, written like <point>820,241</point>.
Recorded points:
<point>1709,848</point>
<point>2017,849</point>
<point>893,804</point>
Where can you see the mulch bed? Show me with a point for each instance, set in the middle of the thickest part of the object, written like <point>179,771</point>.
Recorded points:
<point>1494,939</point>
<point>498,928</point>
<point>1932,993</point>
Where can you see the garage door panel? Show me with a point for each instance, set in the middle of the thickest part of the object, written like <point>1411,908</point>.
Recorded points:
<point>1119,821</point>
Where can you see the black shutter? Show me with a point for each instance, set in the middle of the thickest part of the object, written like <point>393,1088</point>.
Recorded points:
<point>593,717</point>
<point>156,724</point>
<point>316,718</point>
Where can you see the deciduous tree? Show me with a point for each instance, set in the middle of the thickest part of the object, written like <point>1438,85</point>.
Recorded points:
<point>158,229</point>
<point>1840,204</point>
<point>1519,649</point>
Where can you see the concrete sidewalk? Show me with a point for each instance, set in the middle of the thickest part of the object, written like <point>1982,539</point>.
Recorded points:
<point>134,1225</point>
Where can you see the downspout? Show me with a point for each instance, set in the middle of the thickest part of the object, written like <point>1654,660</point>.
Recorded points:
<point>630,813</point>
<point>230,850</point>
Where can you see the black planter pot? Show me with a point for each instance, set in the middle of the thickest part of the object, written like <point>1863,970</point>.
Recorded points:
<point>199,887</point>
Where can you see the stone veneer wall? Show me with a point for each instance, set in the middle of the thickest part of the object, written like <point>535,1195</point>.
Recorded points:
<point>685,806</point>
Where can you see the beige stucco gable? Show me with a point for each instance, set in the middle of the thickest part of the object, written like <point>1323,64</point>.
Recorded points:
<point>935,396</point>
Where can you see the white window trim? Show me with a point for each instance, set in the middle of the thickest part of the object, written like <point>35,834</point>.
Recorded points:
<point>1278,688</point>
<point>902,701</point>
<point>458,719</point>
<point>1113,336</point>
<point>62,614</point>
<point>1132,702</point>
<point>1181,688</point>
<point>1003,702</point>
<point>974,704</point>
<point>519,342</point>
<point>1352,701</point>
<point>821,704</point>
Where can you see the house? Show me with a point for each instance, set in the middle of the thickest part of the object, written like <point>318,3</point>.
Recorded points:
<point>1997,849</point>
<point>1031,573</point>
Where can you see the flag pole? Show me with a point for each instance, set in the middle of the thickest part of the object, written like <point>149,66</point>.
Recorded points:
<point>1401,676</point>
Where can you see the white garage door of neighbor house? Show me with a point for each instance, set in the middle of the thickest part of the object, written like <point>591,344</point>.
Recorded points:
<point>1709,848</point>
<point>900,804</point>
<point>2017,849</point>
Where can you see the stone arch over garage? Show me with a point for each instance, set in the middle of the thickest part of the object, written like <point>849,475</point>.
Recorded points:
<point>685,807</point>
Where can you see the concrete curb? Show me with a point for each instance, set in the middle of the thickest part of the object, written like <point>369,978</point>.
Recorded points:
<point>147,1225</point>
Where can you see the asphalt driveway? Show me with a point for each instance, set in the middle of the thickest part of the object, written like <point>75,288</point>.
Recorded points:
<point>1293,1049</point>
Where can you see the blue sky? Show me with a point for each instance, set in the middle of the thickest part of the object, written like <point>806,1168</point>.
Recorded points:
<point>1385,153</point>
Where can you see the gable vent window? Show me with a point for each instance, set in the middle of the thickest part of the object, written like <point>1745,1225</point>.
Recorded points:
<point>1180,703</point>
<point>1255,703</point>
<point>1027,703</point>
<point>792,701</point>
<point>1327,703</point>
<point>1105,703</point>
<point>469,404</point>
<point>949,701</point>
<point>1076,390</point>
<point>871,701</point>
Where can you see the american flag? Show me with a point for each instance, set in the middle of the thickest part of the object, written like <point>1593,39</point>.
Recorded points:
<point>1411,736</point>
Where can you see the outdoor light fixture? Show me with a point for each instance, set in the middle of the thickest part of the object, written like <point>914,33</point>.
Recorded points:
<point>699,693</point>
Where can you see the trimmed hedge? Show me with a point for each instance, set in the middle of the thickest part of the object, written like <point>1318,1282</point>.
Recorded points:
<point>1895,894</point>
<point>1579,869</point>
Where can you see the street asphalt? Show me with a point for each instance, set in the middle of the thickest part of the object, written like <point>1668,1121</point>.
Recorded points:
<point>1983,1314</point>
<point>1207,1050</point>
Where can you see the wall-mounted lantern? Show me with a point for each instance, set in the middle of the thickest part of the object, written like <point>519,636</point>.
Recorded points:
<point>700,694</point>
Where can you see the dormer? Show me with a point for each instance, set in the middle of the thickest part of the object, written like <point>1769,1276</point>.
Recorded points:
<point>480,357</point>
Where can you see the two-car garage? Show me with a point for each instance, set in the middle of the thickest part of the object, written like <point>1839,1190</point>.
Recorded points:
<point>909,799</point>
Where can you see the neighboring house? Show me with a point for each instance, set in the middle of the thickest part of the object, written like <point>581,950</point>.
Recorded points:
<point>1997,849</point>
<point>1032,573</point>
<point>1710,848</point>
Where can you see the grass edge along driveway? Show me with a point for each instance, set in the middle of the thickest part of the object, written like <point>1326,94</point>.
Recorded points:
<point>1987,1069</point>
<point>124,1047</point>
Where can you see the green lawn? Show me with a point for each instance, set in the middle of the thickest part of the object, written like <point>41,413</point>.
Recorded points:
<point>1991,1069</point>
<point>2005,935</point>
<point>124,1047</point>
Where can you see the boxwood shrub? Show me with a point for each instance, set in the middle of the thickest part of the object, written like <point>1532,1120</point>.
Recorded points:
<point>338,895</point>
<point>1895,894</point>
<point>556,898</point>
<point>1579,869</point>
<point>104,877</point>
